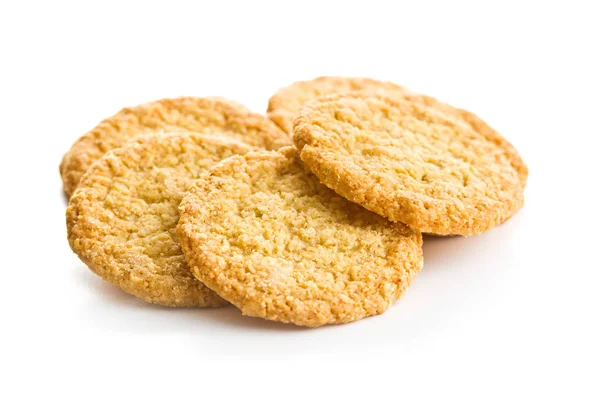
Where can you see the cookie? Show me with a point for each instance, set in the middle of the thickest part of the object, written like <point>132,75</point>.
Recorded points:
<point>409,162</point>
<point>204,115</point>
<point>122,218</point>
<point>265,235</point>
<point>285,104</point>
<point>476,123</point>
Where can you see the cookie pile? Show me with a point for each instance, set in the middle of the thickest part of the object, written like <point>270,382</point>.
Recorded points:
<point>310,215</point>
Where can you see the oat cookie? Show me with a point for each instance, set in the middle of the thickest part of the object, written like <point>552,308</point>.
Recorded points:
<point>476,123</point>
<point>285,104</point>
<point>409,162</point>
<point>121,220</point>
<point>265,235</point>
<point>204,115</point>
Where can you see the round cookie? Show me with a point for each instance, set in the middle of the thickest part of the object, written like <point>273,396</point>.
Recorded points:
<point>265,235</point>
<point>409,162</point>
<point>285,104</point>
<point>203,115</point>
<point>122,218</point>
<point>476,123</point>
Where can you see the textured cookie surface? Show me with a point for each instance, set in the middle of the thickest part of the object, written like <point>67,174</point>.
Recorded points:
<point>409,162</point>
<point>285,104</point>
<point>476,123</point>
<point>203,115</point>
<point>268,237</point>
<point>122,219</point>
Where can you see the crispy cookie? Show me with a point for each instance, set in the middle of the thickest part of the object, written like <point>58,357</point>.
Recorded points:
<point>285,104</point>
<point>204,115</point>
<point>409,162</point>
<point>121,220</point>
<point>265,235</point>
<point>476,123</point>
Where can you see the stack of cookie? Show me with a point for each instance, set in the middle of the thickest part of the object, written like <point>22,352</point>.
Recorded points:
<point>312,215</point>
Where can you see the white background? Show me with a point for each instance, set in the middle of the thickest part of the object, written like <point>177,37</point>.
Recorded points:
<point>511,313</point>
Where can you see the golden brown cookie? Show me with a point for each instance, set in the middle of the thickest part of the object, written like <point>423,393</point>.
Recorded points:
<point>204,115</point>
<point>121,219</point>
<point>285,104</point>
<point>409,162</point>
<point>476,123</point>
<point>265,235</point>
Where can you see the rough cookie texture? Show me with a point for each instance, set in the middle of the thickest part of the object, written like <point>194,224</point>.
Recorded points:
<point>409,162</point>
<point>285,104</point>
<point>204,115</point>
<point>476,123</point>
<point>122,218</point>
<point>268,237</point>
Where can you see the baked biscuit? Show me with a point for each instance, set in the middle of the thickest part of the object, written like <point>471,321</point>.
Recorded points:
<point>409,162</point>
<point>203,115</point>
<point>265,235</point>
<point>477,124</point>
<point>285,104</point>
<point>121,220</point>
